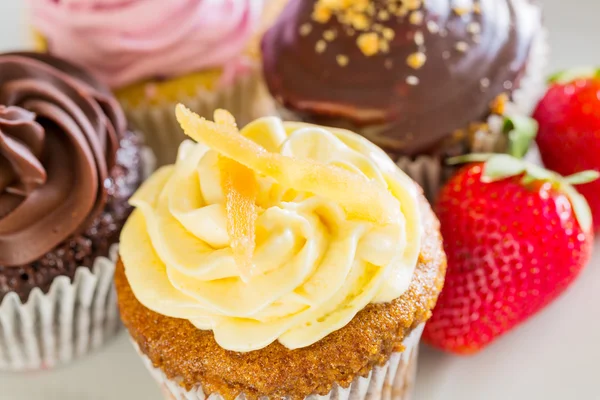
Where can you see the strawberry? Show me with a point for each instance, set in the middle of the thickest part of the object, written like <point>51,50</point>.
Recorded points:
<point>569,129</point>
<point>516,236</point>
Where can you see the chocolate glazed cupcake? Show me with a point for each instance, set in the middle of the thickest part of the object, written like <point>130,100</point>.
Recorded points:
<point>424,80</point>
<point>68,165</point>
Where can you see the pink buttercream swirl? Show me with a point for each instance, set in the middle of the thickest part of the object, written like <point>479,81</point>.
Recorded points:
<point>127,41</point>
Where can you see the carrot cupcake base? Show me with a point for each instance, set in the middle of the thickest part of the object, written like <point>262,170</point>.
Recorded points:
<point>374,348</point>
<point>393,380</point>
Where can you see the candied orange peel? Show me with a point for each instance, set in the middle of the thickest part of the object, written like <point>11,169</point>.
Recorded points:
<point>240,189</point>
<point>361,198</point>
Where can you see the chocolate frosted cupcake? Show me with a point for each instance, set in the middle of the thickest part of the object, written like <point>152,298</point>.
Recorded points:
<point>68,165</point>
<point>283,261</point>
<point>424,80</point>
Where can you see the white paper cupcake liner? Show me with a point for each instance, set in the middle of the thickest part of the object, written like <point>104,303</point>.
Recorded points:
<point>392,381</point>
<point>246,99</point>
<point>71,320</point>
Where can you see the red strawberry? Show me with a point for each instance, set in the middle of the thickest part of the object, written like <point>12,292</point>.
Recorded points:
<point>569,129</point>
<point>516,237</point>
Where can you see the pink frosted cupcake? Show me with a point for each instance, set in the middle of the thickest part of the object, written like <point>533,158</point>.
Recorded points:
<point>157,53</point>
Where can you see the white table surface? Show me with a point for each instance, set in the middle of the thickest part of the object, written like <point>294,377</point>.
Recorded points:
<point>555,356</point>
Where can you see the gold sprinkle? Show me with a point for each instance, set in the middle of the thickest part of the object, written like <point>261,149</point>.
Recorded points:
<point>473,28</point>
<point>342,60</point>
<point>360,5</point>
<point>359,21</point>
<point>416,18</point>
<point>433,27</point>
<point>419,38</point>
<point>413,4</point>
<point>416,60</point>
<point>462,46</point>
<point>320,46</point>
<point>350,32</point>
<point>388,34</point>
<point>389,63</point>
<point>383,15</point>
<point>461,10</point>
<point>498,105</point>
<point>459,134</point>
<point>321,13</point>
<point>329,35</point>
<point>377,27</point>
<point>305,29</point>
<point>402,11</point>
<point>485,82</point>
<point>384,46</point>
<point>412,80</point>
<point>368,43</point>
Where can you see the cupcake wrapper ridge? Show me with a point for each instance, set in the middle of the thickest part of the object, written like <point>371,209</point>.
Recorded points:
<point>392,381</point>
<point>72,319</point>
<point>246,99</point>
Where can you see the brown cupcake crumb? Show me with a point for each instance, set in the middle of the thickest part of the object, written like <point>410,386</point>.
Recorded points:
<point>184,352</point>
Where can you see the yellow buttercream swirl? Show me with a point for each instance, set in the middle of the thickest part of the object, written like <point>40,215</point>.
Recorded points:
<point>315,267</point>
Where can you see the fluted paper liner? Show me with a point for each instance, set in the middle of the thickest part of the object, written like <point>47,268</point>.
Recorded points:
<point>246,99</point>
<point>392,381</point>
<point>72,319</point>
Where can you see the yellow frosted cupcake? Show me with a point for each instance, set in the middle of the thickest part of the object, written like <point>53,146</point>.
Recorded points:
<point>282,261</point>
<point>156,53</point>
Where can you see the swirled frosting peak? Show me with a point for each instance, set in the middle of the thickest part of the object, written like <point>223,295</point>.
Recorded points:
<point>58,138</point>
<point>283,231</point>
<point>124,42</point>
<point>21,145</point>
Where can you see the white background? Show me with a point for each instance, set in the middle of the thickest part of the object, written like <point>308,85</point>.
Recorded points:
<point>555,356</point>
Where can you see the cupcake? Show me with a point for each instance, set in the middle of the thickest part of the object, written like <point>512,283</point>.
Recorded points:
<point>157,53</point>
<point>283,261</point>
<point>68,165</point>
<point>424,80</point>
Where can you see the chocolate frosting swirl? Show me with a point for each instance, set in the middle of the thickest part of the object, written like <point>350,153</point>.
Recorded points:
<point>59,132</point>
<point>445,62</point>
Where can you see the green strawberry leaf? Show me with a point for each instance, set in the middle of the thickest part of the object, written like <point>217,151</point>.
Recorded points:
<point>569,75</point>
<point>581,178</point>
<point>502,166</point>
<point>521,132</point>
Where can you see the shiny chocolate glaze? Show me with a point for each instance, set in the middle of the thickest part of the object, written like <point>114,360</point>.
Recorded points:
<point>447,61</point>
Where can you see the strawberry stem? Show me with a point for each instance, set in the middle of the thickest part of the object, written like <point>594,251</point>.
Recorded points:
<point>521,132</point>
